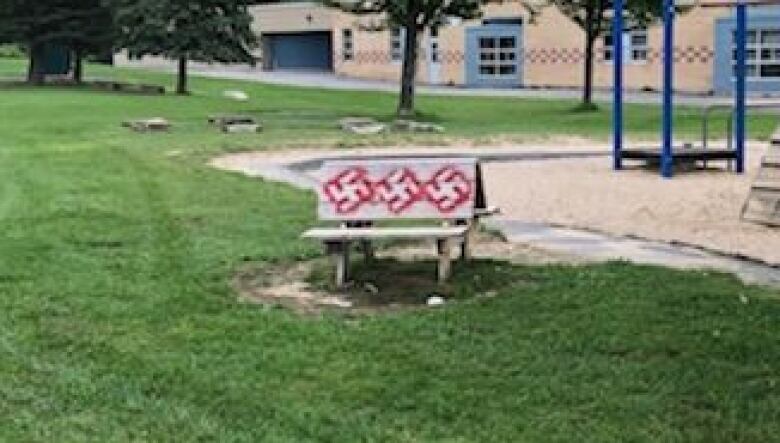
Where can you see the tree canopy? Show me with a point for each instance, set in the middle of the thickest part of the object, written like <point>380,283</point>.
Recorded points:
<point>201,30</point>
<point>413,17</point>
<point>82,26</point>
<point>594,17</point>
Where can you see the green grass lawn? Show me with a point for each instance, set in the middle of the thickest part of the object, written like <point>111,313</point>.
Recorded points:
<point>118,322</point>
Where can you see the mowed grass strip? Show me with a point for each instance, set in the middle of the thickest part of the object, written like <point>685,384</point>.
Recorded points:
<point>307,116</point>
<point>118,322</point>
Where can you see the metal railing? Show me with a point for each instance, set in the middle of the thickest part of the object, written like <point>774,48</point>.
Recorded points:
<point>707,114</point>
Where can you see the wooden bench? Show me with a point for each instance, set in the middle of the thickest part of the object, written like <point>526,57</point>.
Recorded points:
<point>357,194</point>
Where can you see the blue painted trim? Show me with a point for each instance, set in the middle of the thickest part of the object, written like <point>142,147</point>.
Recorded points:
<point>739,93</point>
<point>723,78</point>
<point>617,99</point>
<point>667,161</point>
<point>471,65</point>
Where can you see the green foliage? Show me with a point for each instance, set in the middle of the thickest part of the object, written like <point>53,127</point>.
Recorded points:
<point>594,16</point>
<point>202,30</point>
<point>84,26</point>
<point>419,14</point>
<point>183,30</point>
<point>11,51</point>
<point>414,17</point>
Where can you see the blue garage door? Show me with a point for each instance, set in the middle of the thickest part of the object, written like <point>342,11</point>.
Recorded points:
<point>493,56</point>
<point>309,51</point>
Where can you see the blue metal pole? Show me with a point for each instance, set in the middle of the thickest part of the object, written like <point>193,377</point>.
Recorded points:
<point>667,160</point>
<point>617,99</point>
<point>740,73</point>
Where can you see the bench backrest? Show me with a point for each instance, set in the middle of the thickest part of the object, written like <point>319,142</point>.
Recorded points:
<point>407,188</point>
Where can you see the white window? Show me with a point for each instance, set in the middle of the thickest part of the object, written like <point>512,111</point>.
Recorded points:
<point>435,50</point>
<point>638,45</point>
<point>762,55</point>
<point>347,45</point>
<point>396,44</point>
<point>635,46</point>
<point>498,56</point>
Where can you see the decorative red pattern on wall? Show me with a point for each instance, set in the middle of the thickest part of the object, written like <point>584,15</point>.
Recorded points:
<point>379,57</point>
<point>553,56</point>
<point>545,56</point>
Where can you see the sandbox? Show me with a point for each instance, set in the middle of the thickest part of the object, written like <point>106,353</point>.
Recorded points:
<point>699,208</point>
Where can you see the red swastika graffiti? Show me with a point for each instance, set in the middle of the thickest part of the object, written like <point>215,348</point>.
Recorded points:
<point>349,190</point>
<point>399,190</point>
<point>448,189</point>
<point>352,188</point>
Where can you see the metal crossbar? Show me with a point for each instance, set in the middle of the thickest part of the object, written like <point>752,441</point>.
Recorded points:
<point>730,4</point>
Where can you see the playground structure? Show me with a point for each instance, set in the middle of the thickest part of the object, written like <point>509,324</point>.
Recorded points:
<point>763,202</point>
<point>667,155</point>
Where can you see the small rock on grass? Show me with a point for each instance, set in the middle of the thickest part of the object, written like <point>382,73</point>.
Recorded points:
<point>371,288</point>
<point>435,300</point>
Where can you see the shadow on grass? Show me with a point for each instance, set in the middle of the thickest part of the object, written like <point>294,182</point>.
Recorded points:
<point>393,282</point>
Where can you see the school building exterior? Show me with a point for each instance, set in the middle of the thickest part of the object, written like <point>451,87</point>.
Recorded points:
<point>504,48</point>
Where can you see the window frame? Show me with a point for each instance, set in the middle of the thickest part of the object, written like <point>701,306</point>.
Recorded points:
<point>397,51</point>
<point>347,45</point>
<point>496,52</point>
<point>629,48</point>
<point>757,45</point>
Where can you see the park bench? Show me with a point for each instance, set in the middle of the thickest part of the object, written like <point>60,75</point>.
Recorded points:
<point>357,194</point>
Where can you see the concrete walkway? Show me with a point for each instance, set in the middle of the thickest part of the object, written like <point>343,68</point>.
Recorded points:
<point>583,244</point>
<point>601,247</point>
<point>331,81</point>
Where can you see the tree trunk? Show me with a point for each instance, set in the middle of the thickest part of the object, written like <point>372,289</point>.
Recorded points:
<point>78,66</point>
<point>35,74</point>
<point>181,83</point>
<point>590,41</point>
<point>408,72</point>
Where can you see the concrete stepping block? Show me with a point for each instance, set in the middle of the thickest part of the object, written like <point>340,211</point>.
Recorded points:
<point>156,124</point>
<point>234,124</point>
<point>415,126</point>
<point>230,119</point>
<point>237,128</point>
<point>362,126</point>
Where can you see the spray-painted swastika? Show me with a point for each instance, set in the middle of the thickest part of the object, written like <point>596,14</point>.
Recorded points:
<point>399,190</point>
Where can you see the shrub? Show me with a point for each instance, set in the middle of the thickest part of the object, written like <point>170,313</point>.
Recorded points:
<point>11,51</point>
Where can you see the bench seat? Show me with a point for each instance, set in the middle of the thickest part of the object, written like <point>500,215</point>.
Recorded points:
<point>411,233</point>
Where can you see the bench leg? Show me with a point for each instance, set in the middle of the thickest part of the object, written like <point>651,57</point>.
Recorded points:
<point>368,250</point>
<point>443,246</point>
<point>340,253</point>
<point>468,239</point>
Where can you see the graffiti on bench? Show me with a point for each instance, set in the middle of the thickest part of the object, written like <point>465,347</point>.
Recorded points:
<point>385,189</point>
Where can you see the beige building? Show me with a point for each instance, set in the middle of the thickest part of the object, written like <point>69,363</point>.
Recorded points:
<point>506,49</point>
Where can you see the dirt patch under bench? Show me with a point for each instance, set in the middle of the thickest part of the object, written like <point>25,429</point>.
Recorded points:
<point>402,278</point>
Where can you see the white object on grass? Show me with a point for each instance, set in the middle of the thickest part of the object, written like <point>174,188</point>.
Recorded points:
<point>240,96</point>
<point>435,301</point>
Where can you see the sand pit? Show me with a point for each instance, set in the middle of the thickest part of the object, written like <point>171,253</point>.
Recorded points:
<point>701,208</point>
